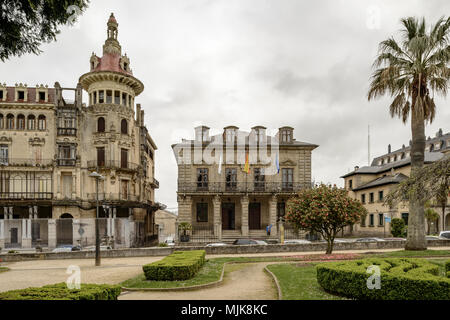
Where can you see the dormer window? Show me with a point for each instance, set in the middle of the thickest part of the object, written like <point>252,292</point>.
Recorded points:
<point>21,95</point>
<point>1,95</point>
<point>41,96</point>
<point>286,135</point>
<point>230,135</point>
<point>125,66</point>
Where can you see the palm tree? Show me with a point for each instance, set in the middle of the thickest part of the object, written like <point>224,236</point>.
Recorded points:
<point>411,71</point>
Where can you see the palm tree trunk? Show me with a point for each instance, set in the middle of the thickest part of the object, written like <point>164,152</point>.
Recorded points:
<point>416,220</point>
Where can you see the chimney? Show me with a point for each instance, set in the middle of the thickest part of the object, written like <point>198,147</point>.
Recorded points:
<point>439,133</point>
<point>138,113</point>
<point>389,148</point>
<point>79,96</point>
<point>142,118</point>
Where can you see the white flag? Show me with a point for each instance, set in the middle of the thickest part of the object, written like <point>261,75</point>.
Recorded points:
<point>220,164</point>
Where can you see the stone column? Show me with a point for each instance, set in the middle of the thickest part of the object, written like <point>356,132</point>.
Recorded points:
<point>273,216</point>
<point>2,233</point>
<point>26,241</point>
<point>244,217</point>
<point>51,233</point>
<point>217,218</point>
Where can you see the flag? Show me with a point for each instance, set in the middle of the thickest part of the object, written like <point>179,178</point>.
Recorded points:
<point>220,164</point>
<point>278,164</point>
<point>247,165</point>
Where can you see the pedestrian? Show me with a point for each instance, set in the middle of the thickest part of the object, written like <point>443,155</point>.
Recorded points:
<point>268,228</point>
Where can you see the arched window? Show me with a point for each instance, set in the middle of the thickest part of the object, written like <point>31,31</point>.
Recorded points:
<point>1,122</point>
<point>41,122</point>
<point>9,121</point>
<point>124,126</point>
<point>31,122</point>
<point>101,124</point>
<point>20,122</point>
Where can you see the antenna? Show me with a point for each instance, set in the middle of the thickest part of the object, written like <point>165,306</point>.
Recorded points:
<point>368,144</point>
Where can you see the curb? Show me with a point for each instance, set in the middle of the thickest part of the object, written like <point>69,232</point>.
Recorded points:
<point>274,278</point>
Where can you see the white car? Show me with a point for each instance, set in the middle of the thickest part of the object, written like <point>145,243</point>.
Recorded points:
<point>170,242</point>
<point>66,248</point>
<point>297,241</point>
<point>261,242</point>
<point>444,235</point>
<point>92,248</point>
<point>217,244</point>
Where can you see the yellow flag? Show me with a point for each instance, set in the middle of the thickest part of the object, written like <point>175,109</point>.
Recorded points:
<point>247,164</point>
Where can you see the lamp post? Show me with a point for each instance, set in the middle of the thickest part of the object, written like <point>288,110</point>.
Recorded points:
<point>97,176</point>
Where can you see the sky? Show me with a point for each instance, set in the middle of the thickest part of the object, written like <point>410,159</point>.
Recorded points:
<point>304,64</point>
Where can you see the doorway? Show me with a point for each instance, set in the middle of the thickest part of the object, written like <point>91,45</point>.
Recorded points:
<point>14,236</point>
<point>228,216</point>
<point>254,215</point>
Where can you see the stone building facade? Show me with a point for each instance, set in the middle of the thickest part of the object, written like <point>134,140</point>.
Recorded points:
<point>370,184</point>
<point>221,199</point>
<point>49,146</point>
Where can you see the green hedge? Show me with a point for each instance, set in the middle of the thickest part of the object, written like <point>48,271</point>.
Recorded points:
<point>180,265</point>
<point>447,268</point>
<point>61,292</point>
<point>401,279</point>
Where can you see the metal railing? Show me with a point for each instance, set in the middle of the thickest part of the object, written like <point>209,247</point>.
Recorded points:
<point>66,131</point>
<point>26,195</point>
<point>242,186</point>
<point>112,164</point>
<point>66,162</point>
<point>22,162</point>
<point>112,197</point>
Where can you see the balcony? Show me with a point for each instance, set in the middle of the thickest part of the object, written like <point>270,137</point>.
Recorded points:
<point>112,164</point>
<point>26,195</point>
<point>66,131</point>
<point>241,187</point>
<point>66,162</point>
<point>21,162</point>
<point>112,197</point>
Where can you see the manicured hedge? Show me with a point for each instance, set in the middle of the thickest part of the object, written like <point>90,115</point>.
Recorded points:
<point>61,292</point>
<point>401,279</point>
<point>447,268</point>
<point>180,265</point>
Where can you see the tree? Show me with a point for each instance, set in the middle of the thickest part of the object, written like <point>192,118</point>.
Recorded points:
<point>432,216</point>
<point>398,228</point>
<point>431,182</point>
<point>26,24</point>
<point>411,71</point>
<point>324,210</point>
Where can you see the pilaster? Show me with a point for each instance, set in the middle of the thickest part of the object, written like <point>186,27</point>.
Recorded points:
<point>244,218</point>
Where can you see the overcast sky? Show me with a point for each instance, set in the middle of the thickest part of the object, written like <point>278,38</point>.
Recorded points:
<point>304,64</point>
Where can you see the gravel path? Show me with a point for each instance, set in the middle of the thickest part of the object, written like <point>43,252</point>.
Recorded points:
<point>243,282</point>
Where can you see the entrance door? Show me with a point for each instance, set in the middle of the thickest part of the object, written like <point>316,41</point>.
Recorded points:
<point>14,236</point>
<point>228,216</point>
<point>254,215</point>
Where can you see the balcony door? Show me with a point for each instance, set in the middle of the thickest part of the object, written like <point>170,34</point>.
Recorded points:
<point>4,156</point>
<point>67,186</point>
<point>124,189</point>
<point>231,178</point>
<point>124,158</point>
<point>100,157</point>
<point>287,178</point>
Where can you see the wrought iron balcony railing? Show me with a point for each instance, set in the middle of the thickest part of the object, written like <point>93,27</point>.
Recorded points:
<point>112,197</point>
<point>66,162</point>
<point>269,187</point>
<point>26,195</point>
<point>22,162</point>
<point>66,131</point>
<point>112,164</point>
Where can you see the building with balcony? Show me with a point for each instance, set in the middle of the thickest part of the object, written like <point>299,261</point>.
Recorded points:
<point>233,185</point>
<point>370,184</point>
<point>49,146</point>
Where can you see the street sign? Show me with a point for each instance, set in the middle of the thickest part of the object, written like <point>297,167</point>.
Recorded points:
<point>81,231</point>
<point>387,219</point>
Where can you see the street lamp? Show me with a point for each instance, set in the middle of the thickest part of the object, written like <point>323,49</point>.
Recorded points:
<point>97,176</point>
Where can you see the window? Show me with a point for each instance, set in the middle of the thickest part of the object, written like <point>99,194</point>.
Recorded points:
<point>41,96</point>
<point>286,136</point>
<point>101,96</point>
<point>403,156</point>
<point>21,122</point>
<point>405,217</point>
<point>101,157</point>
<point>129,101</point>
<point>350,184</point>
<point>124,158</point>
<point>363,221</point>
<point>371,197</point>
<point>2,125</point>
<point>117,97</point>
<point>95,98</point>
<point>363,198</point>
<point>1,94</point>
<point>31,122</point>
<point>202,178</point>
<point>124,99</point>
<point>101,124</point>
<point>4,155</point>
<point>380,219</point>
<point>124,126</point>
<point>230,135</point>
<point>371,220</point>
<point>287,178</point>
<point>108,96</point>
<point>202,212</point>
<point>20,95</point>
<point>380,195</point>
<point>9,121</point>
<point>66,155</point>
<point>281,209</point>
<point>259,178</point>
<point>231,178</point>
<point>41,122</point>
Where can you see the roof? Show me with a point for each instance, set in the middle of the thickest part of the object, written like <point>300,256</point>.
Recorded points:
<point>110,62</point>
<point>397,178</point>
<point>429,158</point>
<point>10,97</point>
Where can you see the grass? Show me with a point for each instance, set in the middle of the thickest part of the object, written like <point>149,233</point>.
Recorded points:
<point>411,253</point>
<point>3,269</point>
<point>299,282</point>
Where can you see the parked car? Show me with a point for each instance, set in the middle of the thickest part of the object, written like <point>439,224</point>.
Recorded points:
<point>66,248</point>
<point>296,241</point>
<point>217,244</point>
<point>395,239</point>
<point>369,240</point>
<point>240,242</point>
<point>102,248</point>
<point>170,242</point>
<point>343,240</point>
<point>445,235</point>
<point>430,238</point>
<point>261,242</point>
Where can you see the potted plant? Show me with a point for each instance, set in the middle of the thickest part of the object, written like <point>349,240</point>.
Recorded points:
<point>184,227</point>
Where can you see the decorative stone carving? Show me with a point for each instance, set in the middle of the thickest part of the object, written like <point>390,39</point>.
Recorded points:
<point>36,141</point>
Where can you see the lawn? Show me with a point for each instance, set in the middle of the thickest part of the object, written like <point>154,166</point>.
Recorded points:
<point>410,253</point>
<point>3,269</point>
<point>299,282</point>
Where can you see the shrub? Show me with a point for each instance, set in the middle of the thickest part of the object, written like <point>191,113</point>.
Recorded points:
<point>447,268</point>
<point>401,279</point>
<point>163,245</point>
<point>61,292</point>
<point>180,265</point>
<point>398,228</point>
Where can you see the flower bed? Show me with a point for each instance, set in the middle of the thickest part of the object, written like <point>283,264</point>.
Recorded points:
<point>61,292</point>
<point>180,265</point>
<point>401,279</point>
